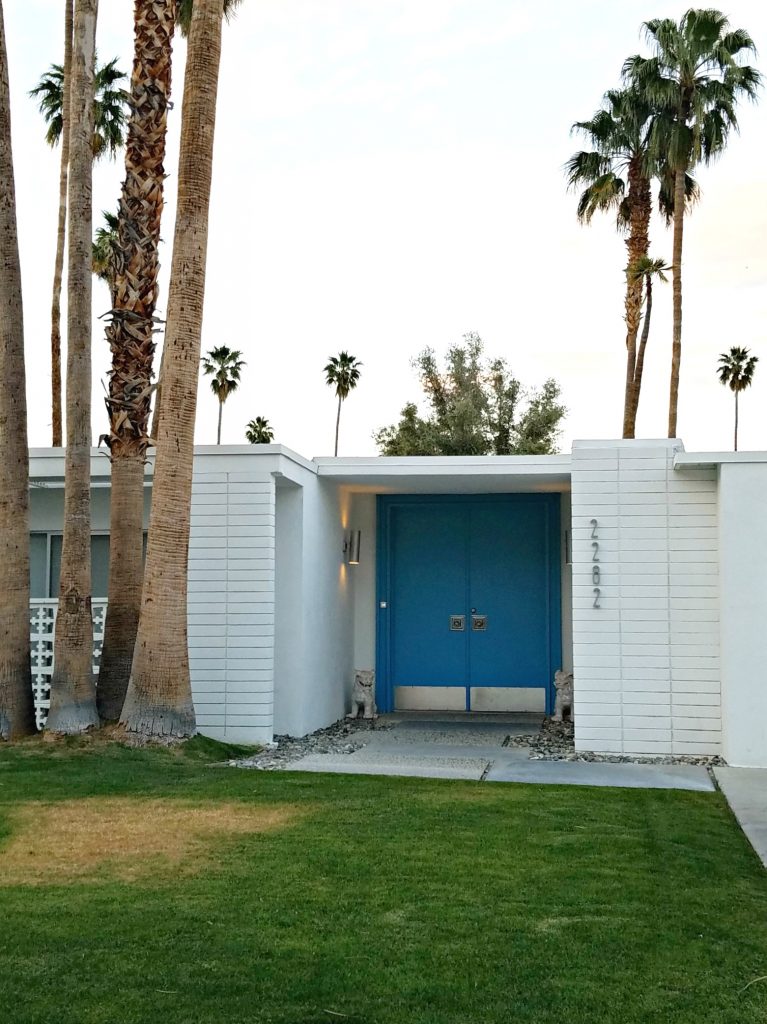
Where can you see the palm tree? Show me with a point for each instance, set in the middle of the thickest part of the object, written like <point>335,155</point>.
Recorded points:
<point>224,365</point>
<point>646,268</point>
<point>17,717</point>
<point>693,80</point>
<point>73,694</point>
<point>130,248</point>
<point>617,173</point>
<point>159,697</point>
<point>343,373</point>
<point>736,369</point>
<point>109,118</point>
<point>183,19</point>
<point>259,431</point>
<point>105,252</point>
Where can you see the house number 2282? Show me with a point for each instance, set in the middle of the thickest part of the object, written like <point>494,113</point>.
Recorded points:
<point>595,573</point>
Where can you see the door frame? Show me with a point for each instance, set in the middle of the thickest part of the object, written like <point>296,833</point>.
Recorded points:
<point>385,504</point>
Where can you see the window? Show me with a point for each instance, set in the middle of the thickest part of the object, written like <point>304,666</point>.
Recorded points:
<point>45,564</point>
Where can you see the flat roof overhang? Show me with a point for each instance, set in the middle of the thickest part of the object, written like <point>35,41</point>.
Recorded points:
<point>710,460</point>
<point>480,474</point>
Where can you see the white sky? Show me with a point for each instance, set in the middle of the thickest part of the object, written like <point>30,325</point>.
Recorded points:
<point>388,175</point>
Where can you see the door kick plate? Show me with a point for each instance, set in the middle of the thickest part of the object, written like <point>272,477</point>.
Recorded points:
<point>457,623</point>
<point>479,623</point>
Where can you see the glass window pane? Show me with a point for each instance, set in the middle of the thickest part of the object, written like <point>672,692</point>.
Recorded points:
<point>55,565</point>
<point>38,557</point>
<point>99,565</point>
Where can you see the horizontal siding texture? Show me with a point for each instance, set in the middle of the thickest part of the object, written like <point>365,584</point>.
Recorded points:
<point>231,604</point>
<point>651,649</point>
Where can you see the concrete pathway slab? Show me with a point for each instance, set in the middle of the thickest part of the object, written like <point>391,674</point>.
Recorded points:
<point>598,773</point>
<point>434,768</point>
<point>745,790</point>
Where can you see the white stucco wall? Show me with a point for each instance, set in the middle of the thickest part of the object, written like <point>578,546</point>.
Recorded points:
<point>647,662</point>
<point>362,516</point>
<point>315,639</point>
<point>743,581</point>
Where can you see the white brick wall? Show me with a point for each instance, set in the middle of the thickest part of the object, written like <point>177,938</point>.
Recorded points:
<point>231,604</point>
<point>647,661</point>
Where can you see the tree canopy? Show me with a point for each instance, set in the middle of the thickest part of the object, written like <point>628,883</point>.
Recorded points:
<point>476,407</point>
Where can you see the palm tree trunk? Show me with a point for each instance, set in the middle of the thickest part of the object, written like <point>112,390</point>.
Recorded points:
<point>640,354</point>
<point>159,698</point>
<point>736,421</point>
<point>126,541</point>
<point>131,339</point>
<point>638,244</point>
<point>155,431</point>
<point>676,347</point>
<point>220,414</point>
<point>73,694</point>
<point>17,716</point>
<point>338,423</point>
<point>56,426</point>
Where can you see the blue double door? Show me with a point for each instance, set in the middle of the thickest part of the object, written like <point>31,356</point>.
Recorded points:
<point>469,610</point>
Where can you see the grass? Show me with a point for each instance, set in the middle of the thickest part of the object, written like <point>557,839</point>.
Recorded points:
<point>298,899</point>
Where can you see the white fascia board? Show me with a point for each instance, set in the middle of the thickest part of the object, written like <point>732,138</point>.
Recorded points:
<point>700,460</point>
<point>459,465</point>
<point>458,474</point>
<point>46,465</point>
<point>640,442</point>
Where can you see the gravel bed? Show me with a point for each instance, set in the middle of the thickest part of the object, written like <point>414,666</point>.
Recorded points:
<point>553,742</point>
<point>343,737</point>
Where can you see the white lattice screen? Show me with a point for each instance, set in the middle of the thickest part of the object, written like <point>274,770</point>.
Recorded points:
<point>42,622</point>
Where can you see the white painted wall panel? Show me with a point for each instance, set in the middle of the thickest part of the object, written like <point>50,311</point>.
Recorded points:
<point>658,564</point>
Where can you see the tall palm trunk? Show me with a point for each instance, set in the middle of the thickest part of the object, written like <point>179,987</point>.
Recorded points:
<point>56,426</point>
<point>736,421</point>
<point>338,424</point>
<point>220,415</point>
<point>638,245</point>
<point>131,338</point>
<point>676,348</point>
<point>73,694</point>
<point>641,352</point>
<point>154,432</point>
<point>17,716</point>
<point>159,698</point>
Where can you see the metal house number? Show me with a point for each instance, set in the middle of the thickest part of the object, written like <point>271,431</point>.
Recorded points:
<point>595,573</point>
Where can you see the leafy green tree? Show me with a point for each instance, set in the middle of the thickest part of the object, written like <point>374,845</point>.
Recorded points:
<point>110,105</point>
<point>259,431</point>
<point>693,81</point>
<point>343,373</point>
<point>224,365</point>
<point>477,407</point>
<point>736,370</point>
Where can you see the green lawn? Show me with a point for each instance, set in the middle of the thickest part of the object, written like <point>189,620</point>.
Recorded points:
<point>376,900</point>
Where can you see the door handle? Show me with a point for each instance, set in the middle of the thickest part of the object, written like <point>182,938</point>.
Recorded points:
<point>478,623</point>
<point>457,623</point>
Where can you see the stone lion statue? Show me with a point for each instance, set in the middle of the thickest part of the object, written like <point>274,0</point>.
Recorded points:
<point>563,681</point>
<point>363,694</point>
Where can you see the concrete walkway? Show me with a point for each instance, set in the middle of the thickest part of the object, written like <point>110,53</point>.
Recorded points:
<point>745,790</point>
<point>461,747</point>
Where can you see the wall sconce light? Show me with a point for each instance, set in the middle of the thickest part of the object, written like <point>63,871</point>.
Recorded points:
<point>352,547</point>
